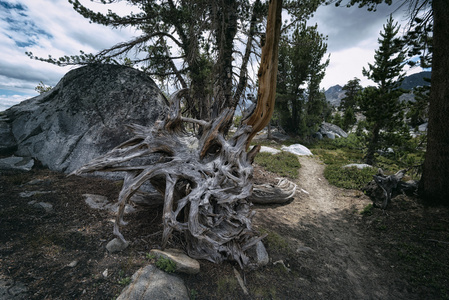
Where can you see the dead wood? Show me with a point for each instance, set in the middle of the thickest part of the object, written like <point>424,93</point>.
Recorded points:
<point>206,188</point>
<point>282,192</point>
<point>391,185</point>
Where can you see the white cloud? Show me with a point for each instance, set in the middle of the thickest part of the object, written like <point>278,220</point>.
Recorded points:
<point>352,39</point>
<point>52,27</point>
<point>48,27</point>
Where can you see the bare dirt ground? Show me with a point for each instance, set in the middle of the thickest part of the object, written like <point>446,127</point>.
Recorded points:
<point>320,245</point>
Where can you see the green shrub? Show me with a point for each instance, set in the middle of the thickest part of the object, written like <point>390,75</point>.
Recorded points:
<point>349,178</point>
<point>285,164</point>
<point>367,211</point>
<point>166,264</point>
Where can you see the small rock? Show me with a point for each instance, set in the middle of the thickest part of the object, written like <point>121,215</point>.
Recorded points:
<point>184,264</point>
<point>259,254</point>
<point>73,264</point>
<point>35,182</point>
<point>151,283</point>
<point>16,163</point>
<point>116,245</point>
<point>32,193</point>
<point>305,249</point>
<point>105,273</point>
<point>47,206</point>
<point>11,289</point>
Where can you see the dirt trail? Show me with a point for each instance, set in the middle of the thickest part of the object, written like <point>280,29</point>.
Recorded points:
<point>332,256</point>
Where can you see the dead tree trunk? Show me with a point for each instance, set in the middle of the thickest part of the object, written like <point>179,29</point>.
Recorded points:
<point>206,189</point>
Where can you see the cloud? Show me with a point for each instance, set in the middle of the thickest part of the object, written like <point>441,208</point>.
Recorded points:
<point>49,27</point>
<point>352,39</point>
<point>8,98</point>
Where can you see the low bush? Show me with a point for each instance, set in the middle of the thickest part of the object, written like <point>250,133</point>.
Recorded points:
<point>349,178</point>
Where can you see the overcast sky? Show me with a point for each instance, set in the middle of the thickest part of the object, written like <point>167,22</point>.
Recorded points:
<point>52,27</point>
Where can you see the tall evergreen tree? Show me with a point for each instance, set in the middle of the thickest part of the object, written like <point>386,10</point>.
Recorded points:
<point>351,88</point>
<point>299,102</point>
<point>348,103</point>
<point>381,105</point>
<point>433,183</point>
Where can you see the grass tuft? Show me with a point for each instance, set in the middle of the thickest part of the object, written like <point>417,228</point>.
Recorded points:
<point>284,164</point>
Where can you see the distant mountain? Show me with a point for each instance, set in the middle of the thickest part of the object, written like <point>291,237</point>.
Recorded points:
<point>335,93</point>
<point>415,80</point>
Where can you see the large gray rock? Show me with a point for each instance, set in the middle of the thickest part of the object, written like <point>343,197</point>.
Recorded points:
<point>330,130</point>
<point>7,142</point>
<point>297,149</point>
<point>84,116</point>
<point>150,283</point>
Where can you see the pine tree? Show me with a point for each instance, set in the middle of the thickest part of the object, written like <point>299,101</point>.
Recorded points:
<point>349,102</point>
<point>352,88</point>
<point>381,105</point>
<point>433,183</point>
<point>299,102</point>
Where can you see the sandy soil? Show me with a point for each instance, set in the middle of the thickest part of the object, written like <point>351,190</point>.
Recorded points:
<point>320,223</point>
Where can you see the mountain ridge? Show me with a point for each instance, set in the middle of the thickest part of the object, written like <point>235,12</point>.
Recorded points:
<point>335,93</point>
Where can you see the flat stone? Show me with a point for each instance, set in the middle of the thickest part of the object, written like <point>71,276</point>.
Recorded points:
<point>150,283</point>
<point>28,194</point>
<point>16,163</point>
<point>297,149</point>
<point>305,249</point>
<point>47,206</point>
<point>116,245</point>
<point>184,264</point>
<point>262,257</point>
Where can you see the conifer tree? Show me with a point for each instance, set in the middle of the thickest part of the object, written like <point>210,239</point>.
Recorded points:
<point>352,88</point>
<point>348,103</point>
<point>433,183</point>
<point>299,103</point>
<point>380,104</point>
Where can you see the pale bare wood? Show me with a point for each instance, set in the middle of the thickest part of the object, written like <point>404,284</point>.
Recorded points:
<point>210,185</point>
<point>267,74</point>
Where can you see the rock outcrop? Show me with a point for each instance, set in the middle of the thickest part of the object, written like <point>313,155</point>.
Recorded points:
<point>82,117</point>
<point>331,131</point>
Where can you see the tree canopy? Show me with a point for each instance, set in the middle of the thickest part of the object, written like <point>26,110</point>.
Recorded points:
<point>430,33</point>
<point>207,46</point>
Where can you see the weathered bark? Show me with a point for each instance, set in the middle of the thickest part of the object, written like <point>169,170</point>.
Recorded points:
<point>267,72</point>
<point>209,185</point>
<point>383,188</point>
<point>388,184</point>
<point>282,192</point>
<point>206,188</point>
<point>433,185</point>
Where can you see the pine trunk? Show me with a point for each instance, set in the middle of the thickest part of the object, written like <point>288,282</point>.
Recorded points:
<point>435,178</point>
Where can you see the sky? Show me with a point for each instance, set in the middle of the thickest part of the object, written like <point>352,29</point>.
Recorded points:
<point>52,27</point>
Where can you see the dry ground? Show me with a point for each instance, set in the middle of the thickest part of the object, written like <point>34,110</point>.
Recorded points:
<point>328,249</point>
